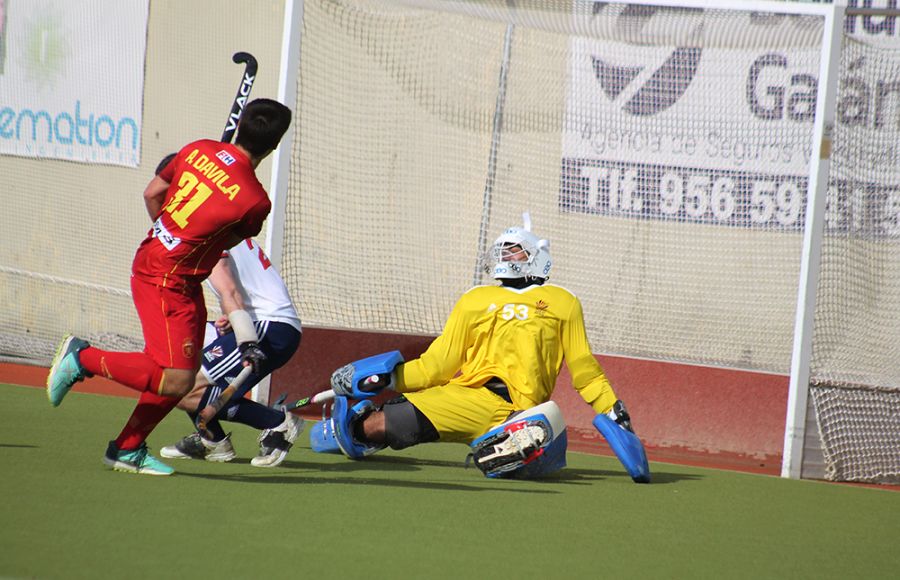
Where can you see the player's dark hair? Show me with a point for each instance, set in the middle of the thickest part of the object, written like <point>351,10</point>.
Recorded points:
<point>263,124</point>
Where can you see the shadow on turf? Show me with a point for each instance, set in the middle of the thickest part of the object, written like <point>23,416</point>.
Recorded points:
<point>567,475</point>
<point>656,477</point>
<point>282,479</point>
<point>392,464</point>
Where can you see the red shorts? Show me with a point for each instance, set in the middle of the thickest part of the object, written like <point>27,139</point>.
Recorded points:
<point>173,321</point>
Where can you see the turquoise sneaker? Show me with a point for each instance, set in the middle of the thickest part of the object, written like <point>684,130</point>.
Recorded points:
<point>135,460</point>
<point>66,369</point>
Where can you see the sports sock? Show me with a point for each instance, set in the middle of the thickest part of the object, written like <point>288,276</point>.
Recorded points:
<point>254,414</point>
<point>215,429</point>
<point>150,410</point>
<point>359,432</point>
<point>135,370</point>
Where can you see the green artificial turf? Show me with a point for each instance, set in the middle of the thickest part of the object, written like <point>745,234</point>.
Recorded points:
<point>419,513</point>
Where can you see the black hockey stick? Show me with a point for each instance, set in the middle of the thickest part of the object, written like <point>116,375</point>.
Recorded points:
<point>237,106</point>
<point>243,93</point>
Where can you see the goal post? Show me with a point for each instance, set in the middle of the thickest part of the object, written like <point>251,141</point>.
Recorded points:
<point>813,234</point>
<point>279,178</point>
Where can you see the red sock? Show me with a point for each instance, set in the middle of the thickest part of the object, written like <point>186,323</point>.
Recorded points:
<point>135,370</point>
<point>150,410</point>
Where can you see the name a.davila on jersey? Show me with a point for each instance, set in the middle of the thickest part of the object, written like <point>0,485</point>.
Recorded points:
<point>213,172</point>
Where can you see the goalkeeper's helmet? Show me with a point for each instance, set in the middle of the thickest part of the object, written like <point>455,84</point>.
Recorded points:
<point>518,253</point>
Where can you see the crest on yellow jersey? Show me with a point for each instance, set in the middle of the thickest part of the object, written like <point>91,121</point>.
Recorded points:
<point>541,306</point>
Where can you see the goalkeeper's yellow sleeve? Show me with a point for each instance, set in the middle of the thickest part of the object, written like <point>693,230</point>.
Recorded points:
<point>441,360</point>
<point>588,377</point>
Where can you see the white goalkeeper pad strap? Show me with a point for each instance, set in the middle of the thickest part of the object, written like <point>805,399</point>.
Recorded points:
<point>243,327</point>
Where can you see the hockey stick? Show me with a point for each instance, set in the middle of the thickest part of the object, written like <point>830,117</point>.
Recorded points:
<point>243,93</point>
<point>237,106</point>
<point>212,409</point>
<point>318,398</point>
<point>322,396</point>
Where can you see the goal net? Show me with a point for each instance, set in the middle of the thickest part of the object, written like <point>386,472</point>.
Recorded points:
<point>665,151</point>
<point>855,367</point>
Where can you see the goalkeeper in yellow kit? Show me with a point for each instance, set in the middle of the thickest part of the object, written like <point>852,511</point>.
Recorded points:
<point>487,379</point>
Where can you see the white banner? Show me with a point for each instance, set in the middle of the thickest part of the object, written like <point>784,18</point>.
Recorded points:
<point>708,135</point>
<point>703,107</point>
<point>72,79</point>
<point>721,133</point>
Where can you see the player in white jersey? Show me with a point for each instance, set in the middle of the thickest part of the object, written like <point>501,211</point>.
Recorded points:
<point>244,278</point>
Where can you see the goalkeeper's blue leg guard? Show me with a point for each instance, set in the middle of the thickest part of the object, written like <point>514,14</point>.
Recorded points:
<point>321,437</point>
<point>344,419</point>
<point>624,443</point>
<point>532,444</point>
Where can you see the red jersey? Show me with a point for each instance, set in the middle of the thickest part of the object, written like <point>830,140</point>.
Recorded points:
<point>213,202</point>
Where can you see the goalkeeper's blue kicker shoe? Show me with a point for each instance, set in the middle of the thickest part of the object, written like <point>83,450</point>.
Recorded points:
<point>66,369</point>
<point>343,419</point>
<point>321,437</point>
<point>135,460</point>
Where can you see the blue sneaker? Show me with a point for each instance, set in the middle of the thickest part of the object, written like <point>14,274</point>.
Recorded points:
<point>66,369</point>
<point>135,460</point>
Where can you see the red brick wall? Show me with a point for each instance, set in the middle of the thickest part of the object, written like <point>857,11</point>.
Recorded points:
<point>678,410</point>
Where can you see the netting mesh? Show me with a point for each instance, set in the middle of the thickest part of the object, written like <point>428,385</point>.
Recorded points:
<point>664,152</point>
<point>855,366</point>
<point>393,139</point>
<point>648,197</point>
<point>859,429</point>
<point>103,315</point>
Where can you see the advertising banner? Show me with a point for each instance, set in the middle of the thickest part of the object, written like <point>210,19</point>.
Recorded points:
<point>712,127</point>
<point>72,79</point>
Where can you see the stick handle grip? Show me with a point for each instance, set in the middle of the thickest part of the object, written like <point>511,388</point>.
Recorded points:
<point>213,408</point>
<point>323,396</point>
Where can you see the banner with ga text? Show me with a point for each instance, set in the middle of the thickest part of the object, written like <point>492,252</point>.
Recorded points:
<point>712,124</point>
<point>72,79</point>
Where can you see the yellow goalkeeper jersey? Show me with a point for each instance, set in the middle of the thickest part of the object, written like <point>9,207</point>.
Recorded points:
<point>518,336</point>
